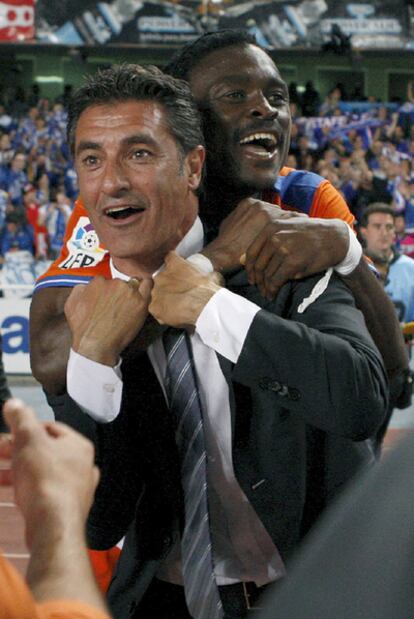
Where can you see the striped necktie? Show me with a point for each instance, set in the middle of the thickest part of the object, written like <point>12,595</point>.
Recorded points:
<point>200,586</point>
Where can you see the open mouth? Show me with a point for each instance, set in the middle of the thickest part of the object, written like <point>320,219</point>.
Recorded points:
<point>123,212</point>
<point>261,144</point>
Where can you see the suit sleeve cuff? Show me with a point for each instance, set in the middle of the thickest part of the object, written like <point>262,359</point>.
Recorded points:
<point>103,402</point>
<point>224,322</point>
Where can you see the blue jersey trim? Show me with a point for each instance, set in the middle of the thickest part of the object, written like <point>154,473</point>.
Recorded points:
<point>56,281</point>
<point>297,189</point>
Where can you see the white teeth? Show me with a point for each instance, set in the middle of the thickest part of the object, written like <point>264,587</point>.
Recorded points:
<point>259,136</point>
<point>116,209</point>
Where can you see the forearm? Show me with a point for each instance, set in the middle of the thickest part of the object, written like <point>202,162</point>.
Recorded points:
<point>50,339</point>
<point>59,567</point>
<point>380,317</point>
<point>4,393</point>
<point>49,354</point>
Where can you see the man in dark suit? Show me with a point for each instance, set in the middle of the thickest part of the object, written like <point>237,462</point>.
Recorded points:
<point>283,428</point>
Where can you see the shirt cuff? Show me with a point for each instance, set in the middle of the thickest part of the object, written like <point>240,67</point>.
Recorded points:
<point>201,262</point>
<point>224,323</point>
<point>103,402</point>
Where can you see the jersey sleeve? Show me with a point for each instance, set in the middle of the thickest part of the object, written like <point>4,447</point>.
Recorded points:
<point>17,601</point>
<point>68,609</point>
<point>329,204</point>
<point>82,256</point>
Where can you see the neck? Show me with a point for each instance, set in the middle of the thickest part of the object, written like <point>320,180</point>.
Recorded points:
<point>137,267</point>
<point>217,202</point>
<point>187,241</point>
<point>381,256</point>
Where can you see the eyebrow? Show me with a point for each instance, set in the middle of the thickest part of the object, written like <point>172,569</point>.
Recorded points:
<point>84,145</point>
<point>138,138</point>
<point>242,77</point>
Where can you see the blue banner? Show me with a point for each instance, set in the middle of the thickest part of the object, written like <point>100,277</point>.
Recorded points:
<point>335,24</point>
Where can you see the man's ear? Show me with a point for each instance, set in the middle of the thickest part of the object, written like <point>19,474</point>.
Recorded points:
<point>194,162</point>
<point>362,230</point>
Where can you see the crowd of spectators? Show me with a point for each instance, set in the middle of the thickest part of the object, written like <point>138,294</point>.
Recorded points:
<point>37,180</point>
<point>363,147</point>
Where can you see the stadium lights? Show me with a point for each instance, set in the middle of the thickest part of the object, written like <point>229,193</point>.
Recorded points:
<point>48,79</point>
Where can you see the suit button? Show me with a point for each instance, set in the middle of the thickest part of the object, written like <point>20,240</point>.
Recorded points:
<point>263,384</point>
<point>267,384</point>
<point>283,391</point>
<point>294,394</point>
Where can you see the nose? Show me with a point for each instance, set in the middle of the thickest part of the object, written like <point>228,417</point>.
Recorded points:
<point>260,107</point>
<point>115,180</point>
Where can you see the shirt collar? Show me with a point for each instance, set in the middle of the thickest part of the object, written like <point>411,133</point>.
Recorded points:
<point>190,244</point>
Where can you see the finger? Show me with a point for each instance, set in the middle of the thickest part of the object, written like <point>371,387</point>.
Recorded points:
<point>172,262</point>
<point>153,312</point>
<point>294,214</point>
<point>6,477</point>
<point>286,271</point>
<point>6,446</point>
<point>274,276</point>
<point>171,258</point>
<point>217,278</point>
<point>133,283</point>
<point>253,251</point>
<point>56,429</point>
<point>145,288</point>
<point>76,293</point>
<point>245,205</point>
<point>18,416</point>
<point>268,254</point>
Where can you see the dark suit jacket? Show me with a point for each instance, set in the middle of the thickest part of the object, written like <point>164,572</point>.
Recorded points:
<point>305,393</point>
<point>358,562</point>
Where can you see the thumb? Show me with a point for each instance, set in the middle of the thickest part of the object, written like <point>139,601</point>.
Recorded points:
<point>173,262</point>
<point>171,257</point>
<point>145,288</point>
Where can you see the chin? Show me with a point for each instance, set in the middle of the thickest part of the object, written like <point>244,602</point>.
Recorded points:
<point>259,182</point>
<point>260,178</point>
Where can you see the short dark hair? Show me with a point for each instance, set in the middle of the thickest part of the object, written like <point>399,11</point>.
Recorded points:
<point>375,207</point>
<point>128,82</point>
<point>14,217</point>
<point>186,58</point>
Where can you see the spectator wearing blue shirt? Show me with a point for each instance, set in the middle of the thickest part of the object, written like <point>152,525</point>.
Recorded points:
<point>14,178</point>
<point>377,228</point>
<point>17,235</point>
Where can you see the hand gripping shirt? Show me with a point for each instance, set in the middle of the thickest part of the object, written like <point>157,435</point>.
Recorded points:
<point>83,256</point>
